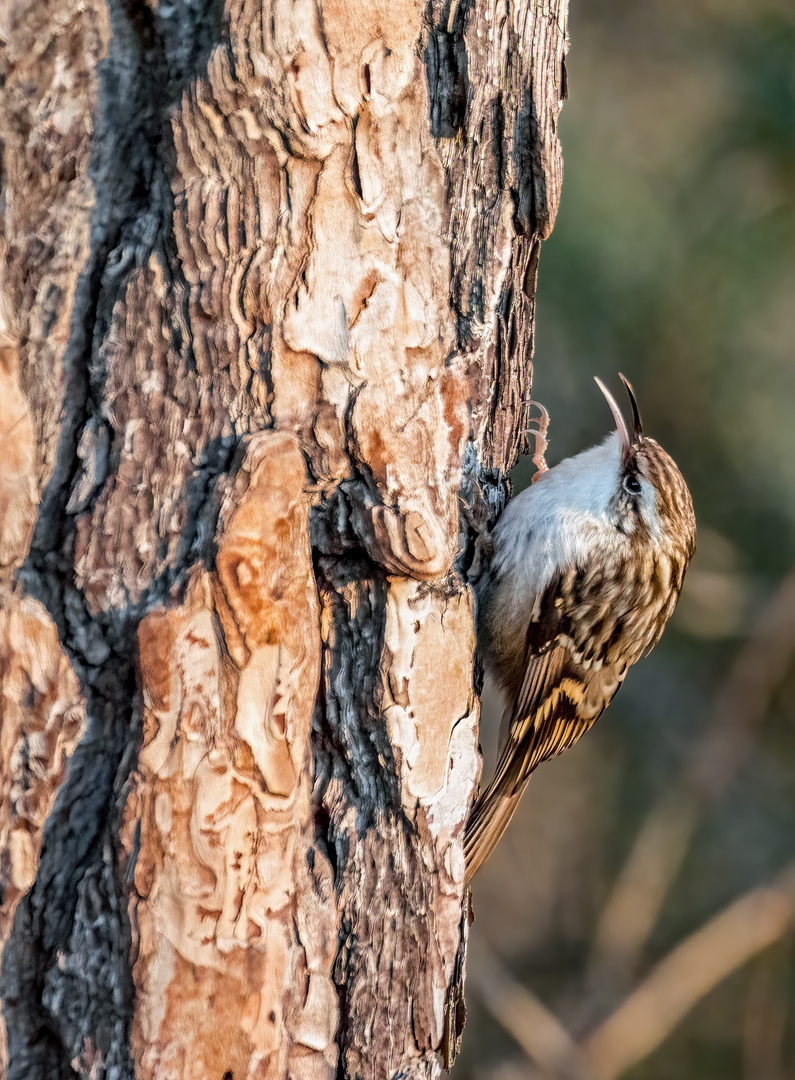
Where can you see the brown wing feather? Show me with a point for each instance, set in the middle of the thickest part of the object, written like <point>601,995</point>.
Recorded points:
<point>558,702</point>
<point>560,697</point>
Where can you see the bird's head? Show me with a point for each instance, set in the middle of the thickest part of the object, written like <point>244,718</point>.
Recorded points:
<point>647,497</point>
<point>623,502</point>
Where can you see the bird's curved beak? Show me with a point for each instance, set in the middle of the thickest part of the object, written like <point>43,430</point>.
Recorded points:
<point>637,426</point>
<point>621,424</point>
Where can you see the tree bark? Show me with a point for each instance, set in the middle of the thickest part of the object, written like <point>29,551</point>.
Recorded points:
<point>266,319</point>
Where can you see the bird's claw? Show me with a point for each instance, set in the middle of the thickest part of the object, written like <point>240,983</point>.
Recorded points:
<point>539,435</point>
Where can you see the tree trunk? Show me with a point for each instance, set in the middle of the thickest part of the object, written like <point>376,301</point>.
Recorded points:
<point>267,314</point>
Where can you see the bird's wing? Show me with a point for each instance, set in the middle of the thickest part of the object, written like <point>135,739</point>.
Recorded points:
<point>558,702</point>
<point>549,714</point>
<point>561,695</point>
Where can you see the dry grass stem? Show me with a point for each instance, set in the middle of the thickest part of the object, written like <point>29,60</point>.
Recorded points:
<point>687,974</point>
<point>537,1031</point>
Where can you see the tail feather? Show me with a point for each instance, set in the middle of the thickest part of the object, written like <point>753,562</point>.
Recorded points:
<point>490,817</point>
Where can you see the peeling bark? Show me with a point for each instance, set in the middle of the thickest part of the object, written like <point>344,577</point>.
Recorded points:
<point>233,902</point>
<point>266,316</point>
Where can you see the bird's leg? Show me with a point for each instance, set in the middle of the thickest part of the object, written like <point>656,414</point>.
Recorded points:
<point>539,434</point>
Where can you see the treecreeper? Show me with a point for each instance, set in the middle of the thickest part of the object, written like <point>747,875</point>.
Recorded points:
<point>585,569</point>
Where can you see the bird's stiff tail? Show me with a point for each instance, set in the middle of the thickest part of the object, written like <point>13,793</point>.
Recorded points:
<point>489,819</point>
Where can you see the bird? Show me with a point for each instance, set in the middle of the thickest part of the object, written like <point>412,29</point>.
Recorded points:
<point>585,569</point>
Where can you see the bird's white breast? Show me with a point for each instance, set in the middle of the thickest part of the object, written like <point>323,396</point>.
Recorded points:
<point>559,522</point>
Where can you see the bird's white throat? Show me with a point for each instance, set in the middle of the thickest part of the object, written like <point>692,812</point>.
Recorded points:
<point>563,520</point>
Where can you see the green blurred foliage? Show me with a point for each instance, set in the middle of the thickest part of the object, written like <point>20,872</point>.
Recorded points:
<point>672,260</point>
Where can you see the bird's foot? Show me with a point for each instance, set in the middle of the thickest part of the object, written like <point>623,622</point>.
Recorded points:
<point>539,434</point>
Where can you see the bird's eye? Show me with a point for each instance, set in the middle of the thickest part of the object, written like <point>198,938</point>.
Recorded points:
<point>632,484</point>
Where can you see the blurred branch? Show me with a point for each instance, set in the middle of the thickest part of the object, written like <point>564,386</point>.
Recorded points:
<point>537,1031</point>
<point>687,974</point>
<point>632,910</point>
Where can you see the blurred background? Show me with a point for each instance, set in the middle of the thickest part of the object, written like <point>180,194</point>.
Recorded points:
<point>637,920</point>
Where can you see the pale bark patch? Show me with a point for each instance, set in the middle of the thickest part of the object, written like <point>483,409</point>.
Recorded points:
<point>227,858</point>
